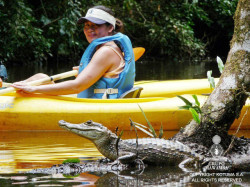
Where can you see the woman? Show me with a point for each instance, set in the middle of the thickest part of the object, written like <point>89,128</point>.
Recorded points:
<point>103,72</point>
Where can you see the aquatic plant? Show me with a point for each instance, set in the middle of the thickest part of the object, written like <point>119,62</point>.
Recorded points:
<point>194,108</point>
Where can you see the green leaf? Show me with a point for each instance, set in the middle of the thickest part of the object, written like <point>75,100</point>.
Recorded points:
<point>120,135</point>
<point>45,20</point>
<point>196,100</point>
<point>197,109</point>
<point>210,79</point>
<point>161,132</point>
<point>149,124</point>
<point>220,64</point>
<point>188,103</point>
<point>195,115</point>
<point>70,176</point>
<point>186,107</point>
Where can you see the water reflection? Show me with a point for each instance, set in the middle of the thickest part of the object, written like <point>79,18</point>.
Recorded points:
<point>160,69</point>
<point>26,150</point>
<point>150,176</point>
<point>7,161</point>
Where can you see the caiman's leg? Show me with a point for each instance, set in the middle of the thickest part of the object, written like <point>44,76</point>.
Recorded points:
<point>186,164</point>
<point>127,158</point>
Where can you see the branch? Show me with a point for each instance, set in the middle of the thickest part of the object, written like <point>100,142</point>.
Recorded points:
<point>234,136</point>
<point>44,8</point>
<point>52,22</point>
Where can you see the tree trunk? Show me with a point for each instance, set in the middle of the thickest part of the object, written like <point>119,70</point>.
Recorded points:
<point>226,101</point>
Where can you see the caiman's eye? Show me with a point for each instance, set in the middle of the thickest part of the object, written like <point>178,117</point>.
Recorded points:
<point>89,122</point>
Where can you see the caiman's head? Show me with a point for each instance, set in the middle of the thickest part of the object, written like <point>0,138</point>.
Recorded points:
<point>103,138</point>
<point>90,130</point>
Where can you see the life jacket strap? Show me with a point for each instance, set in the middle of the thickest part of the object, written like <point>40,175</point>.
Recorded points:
<point>106,92</point>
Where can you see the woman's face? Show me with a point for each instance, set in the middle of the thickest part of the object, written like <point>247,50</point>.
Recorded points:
<point>93,31</point>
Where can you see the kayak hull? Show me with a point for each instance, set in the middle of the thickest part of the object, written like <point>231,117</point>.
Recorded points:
<point>37,112</point>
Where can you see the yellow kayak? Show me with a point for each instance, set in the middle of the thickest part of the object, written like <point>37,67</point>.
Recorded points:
<point>171,88</point>
<point>39,112</point>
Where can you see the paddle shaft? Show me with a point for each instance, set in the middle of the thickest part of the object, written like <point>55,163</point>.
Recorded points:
<point>44,80</point>
<point>5,84</point>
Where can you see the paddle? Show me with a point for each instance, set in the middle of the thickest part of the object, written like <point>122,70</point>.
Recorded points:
<point>5,84</point>
<point>138,52</point>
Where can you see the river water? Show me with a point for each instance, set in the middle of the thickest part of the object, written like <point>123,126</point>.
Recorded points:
<point>146,69</point>
<point>22,151</point>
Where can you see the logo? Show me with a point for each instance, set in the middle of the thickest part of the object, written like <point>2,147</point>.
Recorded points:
<point>91,11</point>
<point>216,150</point>
<point>218,163</point>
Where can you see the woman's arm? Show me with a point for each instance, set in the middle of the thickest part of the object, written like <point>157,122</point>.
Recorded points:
<point>100,63</point>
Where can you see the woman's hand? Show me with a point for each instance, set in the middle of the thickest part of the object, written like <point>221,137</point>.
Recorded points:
<point>76,68</point>
<point>24,87</point>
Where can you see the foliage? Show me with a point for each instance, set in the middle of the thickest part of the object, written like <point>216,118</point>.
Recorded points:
<point>220,64</point>
<point>210,79</point>
<point>147,130</point>
<point>33,31</point>
<point>209,73</point>
<point>148,122</point>
<point>164,25</point>
<point>194,108</point>
<point>23,39</point>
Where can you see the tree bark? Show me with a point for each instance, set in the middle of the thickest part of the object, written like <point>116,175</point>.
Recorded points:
<point>226,101</point>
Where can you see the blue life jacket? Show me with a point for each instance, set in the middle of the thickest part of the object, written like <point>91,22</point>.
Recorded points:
<point>124,82</point>
<point>3,72</point>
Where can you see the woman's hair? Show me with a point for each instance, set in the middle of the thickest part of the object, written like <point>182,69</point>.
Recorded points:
<point>119,27</point>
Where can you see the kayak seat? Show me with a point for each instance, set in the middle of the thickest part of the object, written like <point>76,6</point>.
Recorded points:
<point>133,93</point>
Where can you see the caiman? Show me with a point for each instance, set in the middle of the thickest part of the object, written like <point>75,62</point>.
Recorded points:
<point>150,150</point>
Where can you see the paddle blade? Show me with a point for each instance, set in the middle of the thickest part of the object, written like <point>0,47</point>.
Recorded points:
<point>138,52</point>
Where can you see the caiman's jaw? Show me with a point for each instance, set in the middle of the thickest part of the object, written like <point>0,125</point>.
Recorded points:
<point>89,129</point>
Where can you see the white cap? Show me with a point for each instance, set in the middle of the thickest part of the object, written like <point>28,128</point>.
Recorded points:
<point>97,16</point>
